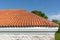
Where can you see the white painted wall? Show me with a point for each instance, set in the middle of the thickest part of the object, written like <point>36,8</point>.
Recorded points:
<point>28,33</point>
<point>27,37</point>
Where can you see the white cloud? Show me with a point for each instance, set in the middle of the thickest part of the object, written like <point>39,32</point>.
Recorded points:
<point>54,17</point>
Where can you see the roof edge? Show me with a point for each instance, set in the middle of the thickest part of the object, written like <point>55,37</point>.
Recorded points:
<point>29,29</point>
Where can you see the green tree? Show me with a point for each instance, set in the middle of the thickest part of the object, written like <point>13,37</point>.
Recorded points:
<point>39,13</point>
<point>58,22</point>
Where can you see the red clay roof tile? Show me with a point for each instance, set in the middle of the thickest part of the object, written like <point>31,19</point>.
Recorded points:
<point>22,18</point>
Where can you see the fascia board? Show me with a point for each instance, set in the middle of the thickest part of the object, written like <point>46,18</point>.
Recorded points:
<point>28,28</point>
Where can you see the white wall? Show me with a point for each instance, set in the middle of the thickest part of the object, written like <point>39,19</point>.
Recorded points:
<point>30,33</point>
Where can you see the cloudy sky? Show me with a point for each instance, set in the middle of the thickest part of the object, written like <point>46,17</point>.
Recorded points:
<point>50,7</point>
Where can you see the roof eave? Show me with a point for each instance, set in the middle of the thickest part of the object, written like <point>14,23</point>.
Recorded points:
<point>28,28</point>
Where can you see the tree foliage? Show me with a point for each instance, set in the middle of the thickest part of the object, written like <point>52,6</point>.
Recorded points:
<point>58,22</point>
<point>39,13</point>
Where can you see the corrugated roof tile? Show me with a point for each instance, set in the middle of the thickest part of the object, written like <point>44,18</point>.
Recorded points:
<point>22,18</point>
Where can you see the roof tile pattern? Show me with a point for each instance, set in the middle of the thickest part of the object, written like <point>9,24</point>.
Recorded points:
<point>22,18</point>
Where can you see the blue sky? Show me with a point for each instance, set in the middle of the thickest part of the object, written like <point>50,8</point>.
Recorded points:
<point>50,7</point>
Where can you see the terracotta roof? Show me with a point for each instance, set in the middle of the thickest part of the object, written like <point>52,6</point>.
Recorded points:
<point>22,18</point>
